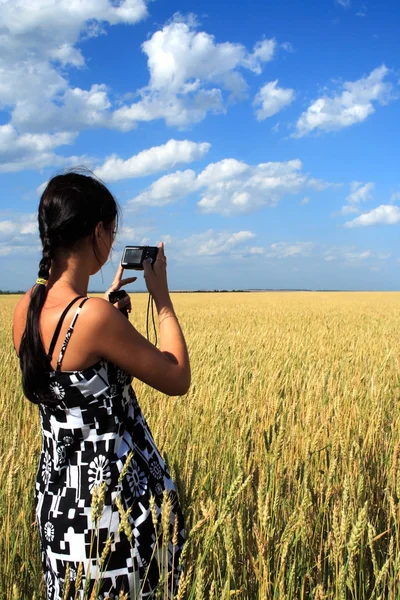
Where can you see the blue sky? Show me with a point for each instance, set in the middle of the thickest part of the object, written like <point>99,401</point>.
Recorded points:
<point>258,141</point>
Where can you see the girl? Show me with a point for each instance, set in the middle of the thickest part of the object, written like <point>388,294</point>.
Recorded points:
<point>78,356</point>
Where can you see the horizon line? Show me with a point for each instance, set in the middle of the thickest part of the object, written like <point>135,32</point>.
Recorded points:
<point>224,290</point>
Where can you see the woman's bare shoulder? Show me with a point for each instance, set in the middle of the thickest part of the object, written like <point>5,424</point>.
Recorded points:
<point>19,318</point>
<point>98,312</point>
<point>22,305</point>
<point>99,307</point>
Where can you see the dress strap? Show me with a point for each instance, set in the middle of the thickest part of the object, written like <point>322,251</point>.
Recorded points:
<point>58,328</point>
<point>68,334</point>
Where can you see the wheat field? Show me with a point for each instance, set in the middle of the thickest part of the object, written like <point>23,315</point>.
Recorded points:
<point>285,451</point>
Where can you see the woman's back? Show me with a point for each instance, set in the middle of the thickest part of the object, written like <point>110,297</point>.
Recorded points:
<point>82,349</point>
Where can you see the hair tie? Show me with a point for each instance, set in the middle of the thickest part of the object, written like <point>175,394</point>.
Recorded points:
<point>41,280</point>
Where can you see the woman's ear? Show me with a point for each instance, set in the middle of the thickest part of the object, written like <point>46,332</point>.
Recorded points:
<point>99,230</point>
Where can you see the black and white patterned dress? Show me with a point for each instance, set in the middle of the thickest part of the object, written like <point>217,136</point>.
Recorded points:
<point>87,438</point>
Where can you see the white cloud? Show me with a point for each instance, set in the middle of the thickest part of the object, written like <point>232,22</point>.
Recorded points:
<point>38,40</point>
<point>147,162</point>
<point>207,245</point>
<point>134,235</point>
<point>287,46</point>
<point>344,3</point>
<point>263,52</point>
<point>349,256</point>
<point>360,192</point>
<point>43,16</point>
<point>179,56</point>
<point>30,150</point>
<point>272,99</point>
<point>40,161</point>
<point>305,200</point>
<point>7,227</point>
<point>19,234</point>
<point>385,214</point>
<point>221,243</point>
<point>166,190</point>
<point>36,33</point>
<point>348,209</point>
<point>356,256</point>
<point>226,169</point>
<point>230,187</point>
<point>256,250</point>
<point>77,109</point>
<point>353,105</point>
<point>19,249</point>
<point>190,74</point>
<point>176,110</point>
<point>67,55</point>
<point>287,249</point>
<point>25,224</point>
<point>263,185</point>
<point>210,246</point>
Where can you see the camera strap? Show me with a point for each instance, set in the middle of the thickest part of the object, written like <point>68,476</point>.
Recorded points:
<point>150,306</point>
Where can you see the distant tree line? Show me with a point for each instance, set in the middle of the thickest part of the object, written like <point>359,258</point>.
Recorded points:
<point>6,292</point>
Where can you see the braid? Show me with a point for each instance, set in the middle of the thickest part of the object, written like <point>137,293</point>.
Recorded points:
<point>45,263</point>
<point>69,210</point>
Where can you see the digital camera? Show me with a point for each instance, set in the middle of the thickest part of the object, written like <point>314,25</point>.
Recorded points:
<point>133,256</point>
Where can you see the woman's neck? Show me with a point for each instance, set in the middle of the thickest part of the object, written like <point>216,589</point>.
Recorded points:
<point>69,274</point>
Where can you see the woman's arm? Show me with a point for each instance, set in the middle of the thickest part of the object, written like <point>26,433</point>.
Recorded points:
<point>113,337</point>
<point>166,369</point>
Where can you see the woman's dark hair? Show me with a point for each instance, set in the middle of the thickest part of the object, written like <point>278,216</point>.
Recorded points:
<point>70,208</point>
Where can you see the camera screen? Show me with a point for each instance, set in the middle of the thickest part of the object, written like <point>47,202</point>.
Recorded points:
<point>133,255</point>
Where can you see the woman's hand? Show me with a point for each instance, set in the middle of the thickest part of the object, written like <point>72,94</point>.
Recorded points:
<point>155,276</point>
<point>116,285</point>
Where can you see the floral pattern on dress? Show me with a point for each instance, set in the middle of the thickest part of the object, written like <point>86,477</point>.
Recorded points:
<point>57,390</point>
<point>136,479</point>
<point>158,489</point>
<point>49,531</point>
<point>61,455</point>
<point>46,468</point>
<point>99,471</point>
<point>155,468</point>
<point>121,376</point>
<point>49,584</point>
<point>68,440</point>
